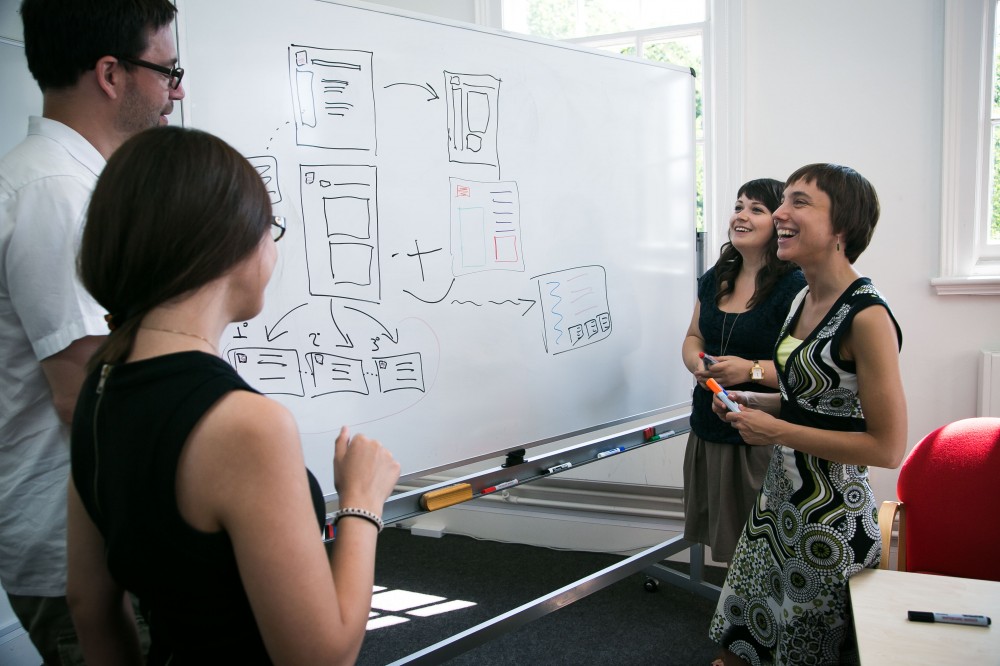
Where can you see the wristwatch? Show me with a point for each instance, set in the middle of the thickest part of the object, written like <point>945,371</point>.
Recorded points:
<point>756,373</point>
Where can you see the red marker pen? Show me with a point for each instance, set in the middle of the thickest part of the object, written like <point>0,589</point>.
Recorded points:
<point>499,486</point>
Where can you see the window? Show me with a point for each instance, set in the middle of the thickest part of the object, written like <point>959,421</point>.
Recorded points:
<point>970,191</point>
<point>992,226</point>
<point>676,31</point>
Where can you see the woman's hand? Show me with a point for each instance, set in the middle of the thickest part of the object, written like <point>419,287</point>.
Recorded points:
<point>364,471</point>
<point>756,426</point>
<point>727,370</point>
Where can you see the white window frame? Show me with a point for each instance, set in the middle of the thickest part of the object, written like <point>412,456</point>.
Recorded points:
<point>968,265</point>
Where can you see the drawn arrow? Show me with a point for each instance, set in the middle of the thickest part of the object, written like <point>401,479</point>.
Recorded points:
<point>381,325</point>
<point>527,300</point>
<point>268,333</point>
<point>347,338</point>
<point>428,87</point>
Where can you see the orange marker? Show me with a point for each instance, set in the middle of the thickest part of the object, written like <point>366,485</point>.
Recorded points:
<point>723,396</point>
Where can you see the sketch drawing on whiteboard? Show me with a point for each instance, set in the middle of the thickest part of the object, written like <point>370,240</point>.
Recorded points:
<point>336,374</point>
<point>271,371</point>
<point>473,102</point>
<point>333,97</point>
<point>403,371</point>
<point>340,218</point>
<point>574,308</point>
<point>267,167</point>
<point>279,372</point>
<point>485,227</point>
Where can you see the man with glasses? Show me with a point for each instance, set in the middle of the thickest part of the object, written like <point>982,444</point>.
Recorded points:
<point>107,70</point>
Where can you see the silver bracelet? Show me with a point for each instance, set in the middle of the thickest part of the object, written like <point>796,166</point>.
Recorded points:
<point>358,513</point>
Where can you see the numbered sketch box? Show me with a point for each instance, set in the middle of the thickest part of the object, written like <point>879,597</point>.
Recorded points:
<point>267,167</point>
<point>574,306</point>
<point>340,216</point>
<point>335,374</point>
<point>473,103</point>
<point>270,371</point>
<point>333,97</point>
<point>403,371</point>
<point>485,227</point>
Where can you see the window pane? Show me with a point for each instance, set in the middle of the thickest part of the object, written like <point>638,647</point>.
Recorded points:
<point>620,48</point>
<point>699,183</point>
<point>565,19</point>
<point>993,234</point>
<point>996,68</point>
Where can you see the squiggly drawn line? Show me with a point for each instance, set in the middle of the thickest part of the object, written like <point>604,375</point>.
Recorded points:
<point>479,305</point>
<point>555,326</point>
<point>423,300</point>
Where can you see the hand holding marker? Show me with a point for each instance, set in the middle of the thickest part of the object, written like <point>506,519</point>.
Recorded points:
<point>709,361</point>
<point>723,396</point>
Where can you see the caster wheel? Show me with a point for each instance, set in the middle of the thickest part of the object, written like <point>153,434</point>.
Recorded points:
<point>651,585</point>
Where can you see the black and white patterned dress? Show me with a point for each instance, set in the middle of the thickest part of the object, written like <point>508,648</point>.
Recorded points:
<point>815,521</point>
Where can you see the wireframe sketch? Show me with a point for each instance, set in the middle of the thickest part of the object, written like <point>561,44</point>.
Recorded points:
<point>333,97</point>
<point>271,371</point>
<point>335,374</point>
<point>575,308</point>
<point>340,215</point>
<point>473,108</point>
<point>404,371</point>
<point>267,167</point>
<point>485,227</point>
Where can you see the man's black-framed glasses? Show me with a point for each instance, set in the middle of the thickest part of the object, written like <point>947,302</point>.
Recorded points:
<point>277,227</point>
<point>174,74</point>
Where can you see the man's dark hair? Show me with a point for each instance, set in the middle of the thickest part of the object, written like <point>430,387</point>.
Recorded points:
<point>65,38</point>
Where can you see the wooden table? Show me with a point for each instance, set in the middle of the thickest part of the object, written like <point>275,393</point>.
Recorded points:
<point>880,599</point>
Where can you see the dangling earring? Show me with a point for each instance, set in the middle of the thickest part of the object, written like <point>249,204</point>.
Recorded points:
<point>838,245</point>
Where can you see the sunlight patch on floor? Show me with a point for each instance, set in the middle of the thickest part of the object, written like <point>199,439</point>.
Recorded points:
<point>385,602</point>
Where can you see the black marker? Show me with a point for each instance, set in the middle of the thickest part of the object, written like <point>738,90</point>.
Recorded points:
<point>949,618</point>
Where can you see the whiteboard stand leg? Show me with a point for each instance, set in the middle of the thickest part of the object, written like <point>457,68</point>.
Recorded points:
<point>692,581</point>
<point>502,624</point>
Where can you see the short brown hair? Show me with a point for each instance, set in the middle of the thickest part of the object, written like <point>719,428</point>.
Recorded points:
<point>854,207</point>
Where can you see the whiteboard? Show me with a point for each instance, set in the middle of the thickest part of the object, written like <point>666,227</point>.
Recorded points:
<point>19,95</point>
<point>490,237</point>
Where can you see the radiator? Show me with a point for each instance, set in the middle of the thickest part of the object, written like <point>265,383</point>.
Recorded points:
<point>989,384</point>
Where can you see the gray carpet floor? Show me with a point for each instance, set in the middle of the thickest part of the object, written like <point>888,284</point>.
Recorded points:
<point>621,624</point>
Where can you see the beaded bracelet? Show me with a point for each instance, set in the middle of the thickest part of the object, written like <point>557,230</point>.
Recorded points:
<point>358,513</point>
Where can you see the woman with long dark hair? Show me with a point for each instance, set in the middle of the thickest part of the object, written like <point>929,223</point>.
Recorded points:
<point>189,488</point>
<point>742,301</point>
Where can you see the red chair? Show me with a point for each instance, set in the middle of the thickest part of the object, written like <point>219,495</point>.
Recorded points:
<point>949,503</point>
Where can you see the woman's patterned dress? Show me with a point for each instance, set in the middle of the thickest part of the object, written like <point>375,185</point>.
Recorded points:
<point>815,522</point>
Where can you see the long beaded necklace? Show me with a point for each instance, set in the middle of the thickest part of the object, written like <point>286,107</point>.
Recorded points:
<point>725,340</point>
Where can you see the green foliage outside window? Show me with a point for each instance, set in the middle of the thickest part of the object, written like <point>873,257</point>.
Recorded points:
<point>995,190</point>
